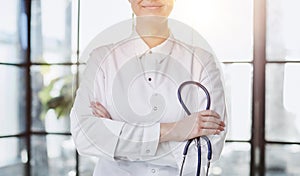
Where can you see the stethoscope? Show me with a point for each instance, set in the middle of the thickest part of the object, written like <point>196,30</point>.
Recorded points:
<point>198,142</point>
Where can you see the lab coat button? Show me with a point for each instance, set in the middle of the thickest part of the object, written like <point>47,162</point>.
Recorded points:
<point>148,151</point>
<point>153,170</point>
<point>155,108</point>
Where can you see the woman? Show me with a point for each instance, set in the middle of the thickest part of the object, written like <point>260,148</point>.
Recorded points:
<point>111,118</point>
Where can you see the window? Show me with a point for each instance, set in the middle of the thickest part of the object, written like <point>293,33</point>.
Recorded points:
<point>257,42</point>
<point>282,85</point>
<point>38,66</point>
<point>12,90</point>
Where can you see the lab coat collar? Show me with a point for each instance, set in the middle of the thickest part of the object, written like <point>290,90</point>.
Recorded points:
<point>164,49</point>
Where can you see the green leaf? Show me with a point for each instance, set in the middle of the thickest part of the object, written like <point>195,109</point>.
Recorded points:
<point>62,104</point>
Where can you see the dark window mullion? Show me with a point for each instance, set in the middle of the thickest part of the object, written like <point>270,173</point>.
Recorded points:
<point>49,133</point>
<point>258,103</point>
<point>241,141</point>
<point>282,143</point>
<point>14,136</point>
<point>50,64</point>
<point>26,7</point>
<point>14,64</point>
<point>77,74</point>
<point>283,62</point>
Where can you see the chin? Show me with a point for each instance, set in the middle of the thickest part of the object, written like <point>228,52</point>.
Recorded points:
<point>153,14</point>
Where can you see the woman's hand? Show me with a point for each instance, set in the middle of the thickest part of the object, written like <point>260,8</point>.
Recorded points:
<point>99,110</point>
<point>202,123</point>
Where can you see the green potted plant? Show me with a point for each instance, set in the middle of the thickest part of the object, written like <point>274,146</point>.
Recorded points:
<point>61,102</point>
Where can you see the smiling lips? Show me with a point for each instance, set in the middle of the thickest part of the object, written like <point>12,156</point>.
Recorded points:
<point>152,6</point>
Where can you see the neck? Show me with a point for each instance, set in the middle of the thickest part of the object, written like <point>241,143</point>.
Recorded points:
<point>153,30</point>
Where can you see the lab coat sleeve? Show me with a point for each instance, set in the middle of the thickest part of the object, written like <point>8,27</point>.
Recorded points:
<point>204,70</point>
<point>212,78</point>
<point>102,137</point>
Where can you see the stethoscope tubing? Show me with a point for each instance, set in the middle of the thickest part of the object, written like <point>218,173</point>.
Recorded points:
<point>198,141</point>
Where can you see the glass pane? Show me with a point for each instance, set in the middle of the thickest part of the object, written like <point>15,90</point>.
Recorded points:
<point>227,25</point>
<point>235,160</point>
<point>53,31</point>
<point>282,160</point>
<point>10,16</point>
<point>13,100</point>
<point>283,28</point>
<point>13,156</point>
<point>238,86</point>
<point>87,165</point>
<point>53,89</point>
<point>52,155</point>
<point>282,106</point>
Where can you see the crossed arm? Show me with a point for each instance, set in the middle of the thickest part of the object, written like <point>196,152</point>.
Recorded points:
<point>206,122</point>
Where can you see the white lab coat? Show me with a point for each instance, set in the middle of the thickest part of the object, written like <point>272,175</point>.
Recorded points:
<point>129,143</point>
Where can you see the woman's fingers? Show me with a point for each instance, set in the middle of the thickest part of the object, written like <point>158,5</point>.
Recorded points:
<point>211,116</point>
<point>209,113</point>
<point>206,122</point>
<point>195,125</point>
<point>213,120</point>
<point>102,109</point>
<point>211,125</point>
<point>206,132</point>
<point>98,113</point>
<point>99,110</point>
